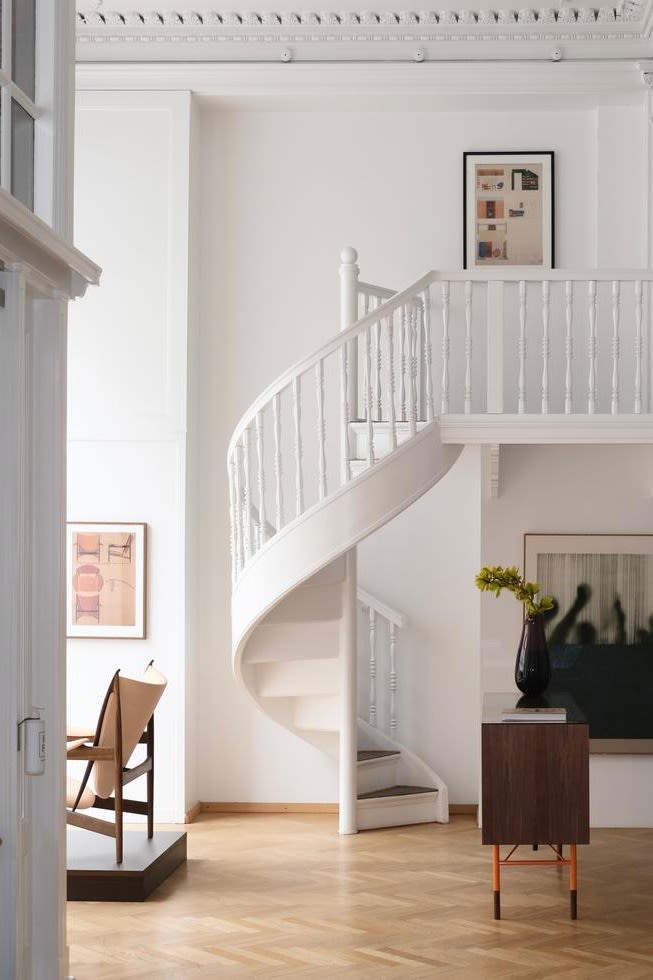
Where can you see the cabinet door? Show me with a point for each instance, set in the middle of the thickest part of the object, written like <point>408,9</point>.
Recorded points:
<point>535,784</point>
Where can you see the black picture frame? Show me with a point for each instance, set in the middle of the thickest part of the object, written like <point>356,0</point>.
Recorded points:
<point>547,157</point>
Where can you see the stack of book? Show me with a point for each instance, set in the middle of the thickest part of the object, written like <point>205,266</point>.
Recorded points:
<point>531,715</point>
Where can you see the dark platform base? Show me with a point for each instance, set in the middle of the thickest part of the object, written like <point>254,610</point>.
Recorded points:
<point>94,876</point>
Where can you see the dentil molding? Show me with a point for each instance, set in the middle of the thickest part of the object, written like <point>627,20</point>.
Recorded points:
<point>627,21</point>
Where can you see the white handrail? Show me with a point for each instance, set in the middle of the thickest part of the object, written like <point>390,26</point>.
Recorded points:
<point>370,601</point>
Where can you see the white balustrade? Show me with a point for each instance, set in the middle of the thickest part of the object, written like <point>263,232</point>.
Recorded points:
<point>383,625</point>
<point>387,336</point>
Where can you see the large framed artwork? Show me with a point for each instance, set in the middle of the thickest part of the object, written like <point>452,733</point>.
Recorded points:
<point>508,209</point>
<point>106,566</point>
<point>600,634</point>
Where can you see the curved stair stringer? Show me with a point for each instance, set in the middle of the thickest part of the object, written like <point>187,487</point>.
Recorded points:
<point>299,565</point>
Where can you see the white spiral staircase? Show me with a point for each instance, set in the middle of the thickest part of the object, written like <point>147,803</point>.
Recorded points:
<point>349,464</point>
<point>348,438</point>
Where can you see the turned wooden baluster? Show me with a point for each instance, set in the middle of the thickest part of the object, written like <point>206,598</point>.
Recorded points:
<point>238,503</point>
<point>521,394</point>
<point>393,681</point>
<point>261,480</point>
<point>591,394</point>
<point>344,411</point>
<point>368,395</point>
<point>278,472</point>
<point>412,361</point>
<point>402,357</point>
<point>616,313</point>
<point>247,497</point>
<point>232,520</point>
<point>569,344</point>
<point>377,366</point>
<point>444,407</point>
<point>638,347</point>
<point>545,345</point>
<point>468,347</point>
<point>391,381</point>
<point>372,667</point>
<point>321,431</point>
<point>299,476</point>
<point>428,354</point>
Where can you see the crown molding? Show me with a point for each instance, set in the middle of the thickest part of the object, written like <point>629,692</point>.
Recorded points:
<point>216,35</point>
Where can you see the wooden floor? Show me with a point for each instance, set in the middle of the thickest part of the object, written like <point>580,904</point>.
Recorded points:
<point>280,897</point>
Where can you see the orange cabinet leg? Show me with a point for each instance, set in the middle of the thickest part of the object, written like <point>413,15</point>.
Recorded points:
<point>573,883</point>
<point>496,881</point>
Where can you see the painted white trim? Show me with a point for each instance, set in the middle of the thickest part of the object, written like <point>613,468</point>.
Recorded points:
<point>372,602</point>
<point>496,430</point>
<point>51,259</point>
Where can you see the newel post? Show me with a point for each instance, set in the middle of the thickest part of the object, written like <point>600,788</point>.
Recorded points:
<point>348,747</point>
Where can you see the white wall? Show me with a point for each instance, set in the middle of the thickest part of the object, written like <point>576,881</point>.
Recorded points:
<point>127,389</point>
<point>281,193</point>
<point>568,489</point>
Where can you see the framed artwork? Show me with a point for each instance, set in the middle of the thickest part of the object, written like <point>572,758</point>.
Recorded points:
<point>600,634</point>
<point>508,213</point>
<point>106,580</point>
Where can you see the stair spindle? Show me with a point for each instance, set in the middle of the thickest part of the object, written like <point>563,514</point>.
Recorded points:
<point>393,681</point>
<point>428,354</point>
<point>616,313</point>
<point>276,420</point>
<point>391,381</point>
<point>521,393</point>
<point>468,346</point>
<point>344,413</point>
<point>445,349</point>
<point>299,477</point>
<point>591,388</point>
<point>260,459</point>
<point>545,345</point>
<point>232,520</point>
<point>412,361</point>
<point>368,395</point>
<point>402,358</point>
<point>246,497</point>
<point>377,366</point>
<point>638,347</point>
<point>321,432</point>
<point>372,667</point>
<point>569,344</point>
<point>238,503</point>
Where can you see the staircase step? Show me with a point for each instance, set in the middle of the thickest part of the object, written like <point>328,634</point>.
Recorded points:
<point>294,641</point>
<point>334,572</point>
<point>380,794</point>
<point>368,755</point>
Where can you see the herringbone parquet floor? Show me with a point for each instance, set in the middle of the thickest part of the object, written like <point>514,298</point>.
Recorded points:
<point>276,897</point>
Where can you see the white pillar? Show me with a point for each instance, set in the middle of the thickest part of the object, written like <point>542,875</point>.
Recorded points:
<point>348,775</point>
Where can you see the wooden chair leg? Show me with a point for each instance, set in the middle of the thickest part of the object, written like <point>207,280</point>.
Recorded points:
<point>496,881</point>
<point>150,780</point>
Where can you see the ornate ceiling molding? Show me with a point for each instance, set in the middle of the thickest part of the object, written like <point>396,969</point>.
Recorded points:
<point>365,36</point>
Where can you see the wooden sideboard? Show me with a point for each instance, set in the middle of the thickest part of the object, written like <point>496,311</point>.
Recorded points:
<point>535,787</point>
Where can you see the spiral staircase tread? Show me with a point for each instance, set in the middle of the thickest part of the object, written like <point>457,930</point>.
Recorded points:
<point>391,791</point>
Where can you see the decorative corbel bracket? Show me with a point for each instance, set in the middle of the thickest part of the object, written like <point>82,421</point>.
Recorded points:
<point>492,468</point>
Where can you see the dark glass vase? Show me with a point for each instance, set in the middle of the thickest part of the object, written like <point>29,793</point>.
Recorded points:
<point>532,667</point>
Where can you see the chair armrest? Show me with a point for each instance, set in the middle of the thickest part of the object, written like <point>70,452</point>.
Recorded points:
<point>90,752</point>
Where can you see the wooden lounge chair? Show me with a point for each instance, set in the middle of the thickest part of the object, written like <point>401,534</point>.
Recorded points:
<point>126,720</point>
